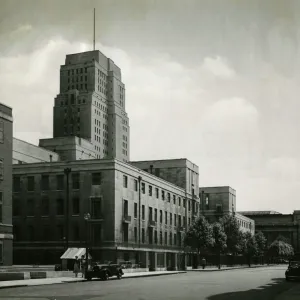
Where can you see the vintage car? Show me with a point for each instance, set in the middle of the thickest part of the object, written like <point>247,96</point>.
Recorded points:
<point>104,271</point>
<point>293,271</point>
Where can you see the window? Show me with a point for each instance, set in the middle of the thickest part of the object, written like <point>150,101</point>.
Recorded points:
<point>150,190</point>
<point>30,232</point>
<point>157,192</point>
<point>16,184</point>
<point>160,216</point>
<point>161,237</point>
<point>174,199</point>
<point>45,206</point>
<point>60,232</point>
<point>96,178</point>
<point>150,214</point>
<point>75,181</point>
<point>1,132</point>
<point>59,182</point>
<point>169,197</point>
<point>135,185</point>
<point>143,212</point>
<point>150,234</point>
<point>59,207</point>
<point>175,220</point>
<point>171,218</point>
<point>135,234</point>
<point>125,208</point>
<point>155,236</point>
<point>175,239</point>
<point>30,207</point>
<point>16,207</point>
<point>179,221</point>
<point>166,217</point>
<point>189,205</point>
<point>1,204</point>
<point>125,232</point>
<point>1,169</point>
<point>155,214</point>
<point>166,238</point>
<point>143,188</point>
<point>170,239</point>
<point>143,235</point>
<point>125,181</point>
<point>179,201</point>
<point>75,206</point>
<point>184,202</point>
<point>46,233</point>
<point>163,195</point>
<point>30,183</point>
<point>45,183</point>
<point>135,210</point>
<point>76,232</point>
<point>96,208</point>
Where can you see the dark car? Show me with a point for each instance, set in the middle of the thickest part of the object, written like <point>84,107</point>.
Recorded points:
<point>293,271</point>
<point>104,272</point>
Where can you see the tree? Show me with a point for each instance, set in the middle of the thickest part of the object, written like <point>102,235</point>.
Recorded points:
<point>232,231</point>
<point>280,249</point>
<point>261,244</point>
<point>220,239</point>
<point>199,236</point>
<point>249,246</point>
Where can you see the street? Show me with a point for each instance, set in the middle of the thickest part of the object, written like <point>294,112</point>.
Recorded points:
<point>244,284</point>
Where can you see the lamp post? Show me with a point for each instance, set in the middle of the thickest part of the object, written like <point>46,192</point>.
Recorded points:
<point>67,172</point>
<point>87,217</point>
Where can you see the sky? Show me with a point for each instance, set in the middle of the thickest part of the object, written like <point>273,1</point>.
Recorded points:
<point>212,81</point>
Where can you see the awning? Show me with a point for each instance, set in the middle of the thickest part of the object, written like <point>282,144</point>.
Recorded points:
<point>72,252</point>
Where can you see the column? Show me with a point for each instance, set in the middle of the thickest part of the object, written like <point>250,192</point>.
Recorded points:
<point>175,261</point>
<point>165,260</point>
<point>155,261</point>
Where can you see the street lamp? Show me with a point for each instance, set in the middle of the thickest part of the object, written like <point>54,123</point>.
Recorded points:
<point>87,217</point>
<point>67,172</point>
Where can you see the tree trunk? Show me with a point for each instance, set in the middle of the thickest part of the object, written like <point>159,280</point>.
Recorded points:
<point>219,264</point>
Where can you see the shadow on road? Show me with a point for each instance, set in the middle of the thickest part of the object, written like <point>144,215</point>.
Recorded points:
<point>265,292</point>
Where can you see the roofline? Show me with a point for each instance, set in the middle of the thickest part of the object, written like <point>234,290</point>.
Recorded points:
<point>217,186</point>
<point>85,161</point>
<point>10,107</point>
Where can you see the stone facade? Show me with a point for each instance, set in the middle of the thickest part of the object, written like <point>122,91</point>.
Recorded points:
<point>110,191</point>
<point>91,104</point>
<point>24,152</point>
<point>219,201</point>
<point>274,225</point>
<point>69,148</point>
<point>6,228</point>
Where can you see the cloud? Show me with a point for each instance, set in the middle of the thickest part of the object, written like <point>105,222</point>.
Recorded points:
<point>218,67</point>
<point>22,29</point>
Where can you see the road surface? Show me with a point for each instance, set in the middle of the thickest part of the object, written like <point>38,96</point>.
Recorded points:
<point>244,284</point>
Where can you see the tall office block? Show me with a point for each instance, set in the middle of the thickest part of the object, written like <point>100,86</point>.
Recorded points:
<point>91,104</point>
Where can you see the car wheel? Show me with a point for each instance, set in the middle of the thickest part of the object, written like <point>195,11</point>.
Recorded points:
<point>105,277</point>
<point>89,278</point>
<point>119,276</point>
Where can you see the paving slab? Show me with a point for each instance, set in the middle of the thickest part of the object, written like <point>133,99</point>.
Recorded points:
<point>214,269</point>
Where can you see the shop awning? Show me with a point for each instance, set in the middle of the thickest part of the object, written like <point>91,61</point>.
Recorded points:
<point>72,252</point>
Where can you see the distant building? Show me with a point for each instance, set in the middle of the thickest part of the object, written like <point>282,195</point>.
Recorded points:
<point>91,104</point>
<point>273,224</point>
<point>215,202</point>
<point>110,191</point>
<point>6,228</point>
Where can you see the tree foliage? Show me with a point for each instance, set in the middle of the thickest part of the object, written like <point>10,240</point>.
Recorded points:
<point>199,236</point>
<point>280,249</point>
<point>261,243</point>
<point>232,231</point>
<point>249,244</point>
<point>219,237</point>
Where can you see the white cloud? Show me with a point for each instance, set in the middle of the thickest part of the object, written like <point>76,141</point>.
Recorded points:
<point>218,66</point>
<point>174,111</point>
<point>25,28</point>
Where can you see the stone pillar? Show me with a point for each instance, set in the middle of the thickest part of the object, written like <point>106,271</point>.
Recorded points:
<point>165,261</point>
<point>155,261</point>
<point>175,261</point>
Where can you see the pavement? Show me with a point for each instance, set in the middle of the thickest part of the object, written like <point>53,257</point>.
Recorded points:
<point>225,268</point>
<point>266,283</point>
<point>47,281</point>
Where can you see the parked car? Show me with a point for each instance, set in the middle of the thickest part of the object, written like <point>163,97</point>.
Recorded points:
<point>293,271</point>
<point>104,272</point>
